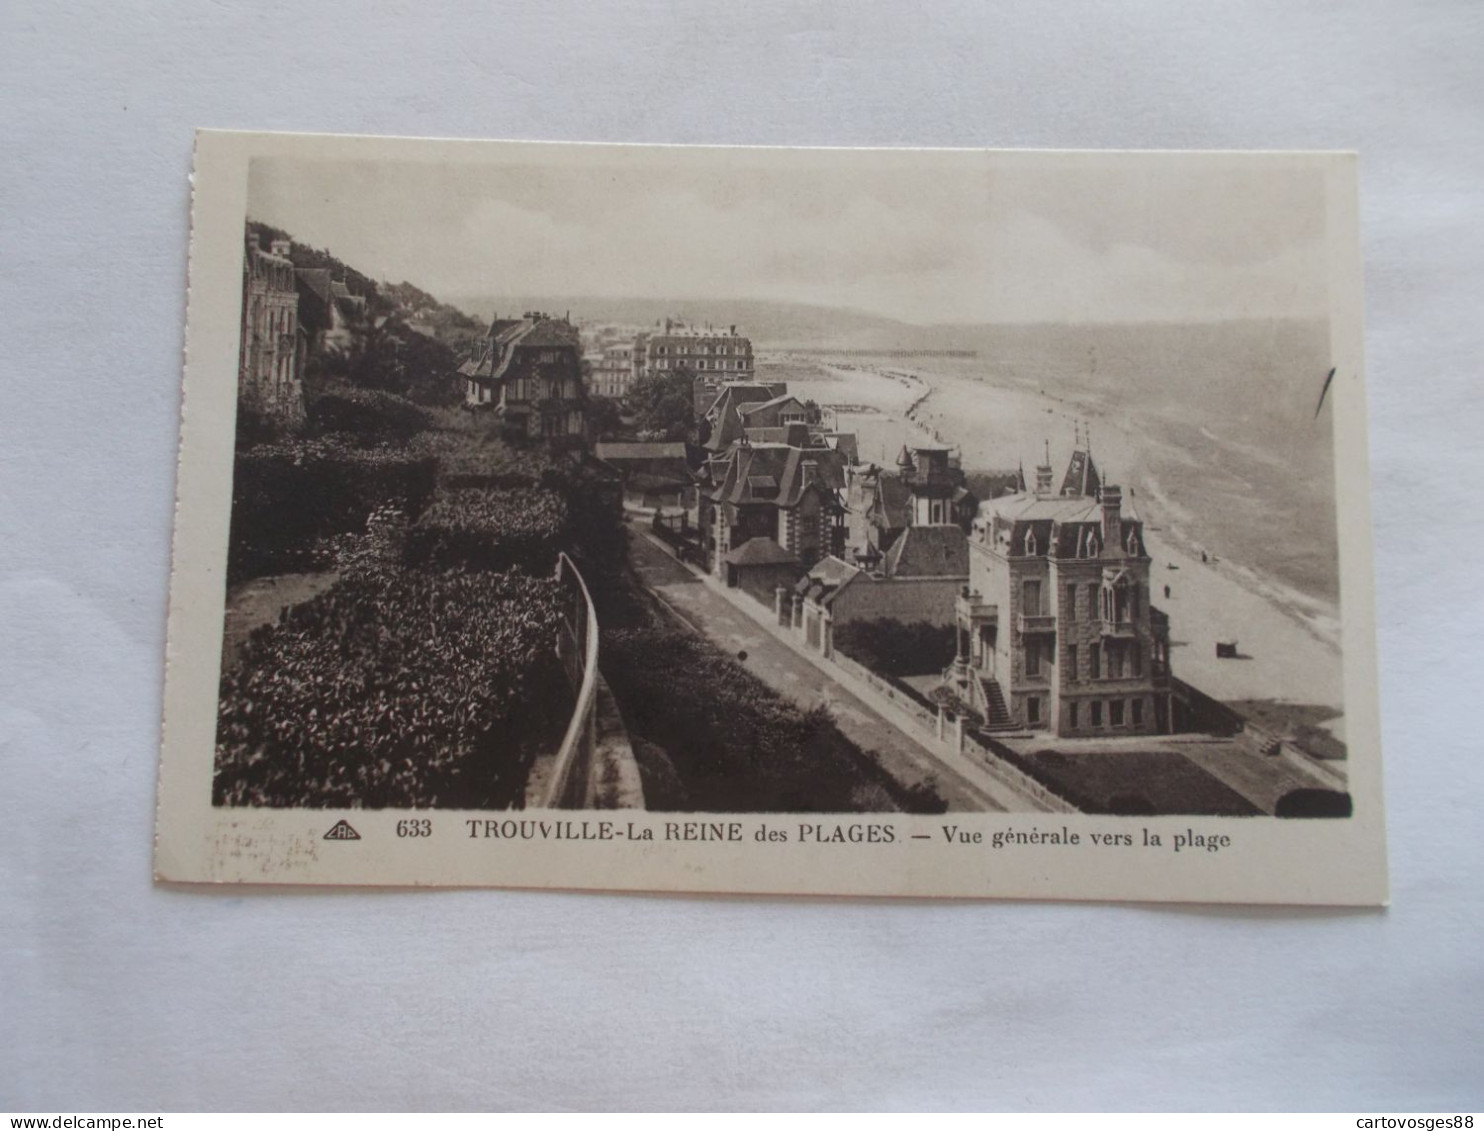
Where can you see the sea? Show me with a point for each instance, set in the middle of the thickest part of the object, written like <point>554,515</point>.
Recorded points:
<point>1217,429</point>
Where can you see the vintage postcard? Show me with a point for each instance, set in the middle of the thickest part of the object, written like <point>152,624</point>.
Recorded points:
<point>841,522</point>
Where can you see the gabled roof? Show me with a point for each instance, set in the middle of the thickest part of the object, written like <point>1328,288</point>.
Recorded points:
<point>929,551</point>
<point>760,551</point>
<point>751,470</point>
<point>844,443</point>
<point>726,421</point>
<point>505,336</point>
<point>763,406</point>
<point>548,332</point>
<point>892,504</point>
<point>734,394</point>
<point>1082,475</point>
<point>828,579</point>
<point>317,280</point>
<point>796,435</point>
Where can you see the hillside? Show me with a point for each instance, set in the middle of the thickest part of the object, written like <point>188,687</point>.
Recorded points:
<point>405,342</point>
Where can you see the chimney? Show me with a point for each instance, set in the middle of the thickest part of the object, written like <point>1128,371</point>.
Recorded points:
<point>1044,473</point>
<point>252,240</point>
<point>1112,500</point>
<point>1043,479</point>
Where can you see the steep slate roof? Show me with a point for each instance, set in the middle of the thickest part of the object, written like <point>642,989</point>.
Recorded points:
<point>760,551</point>
<point>1060,522</point>
<point>768,405</point>
<point>1054,508</point>
<point>754,469</point>
<point>929,551</point>
<point>893,501</point>
<point>795,434</point>
<point>828,579</point>
<point>506,335</point>
<point>728,423</point>
<point>844,443</point>
<point>1082,475</point>
<point>317,279</point>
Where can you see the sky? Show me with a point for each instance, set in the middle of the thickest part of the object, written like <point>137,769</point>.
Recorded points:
<point>925,237</point>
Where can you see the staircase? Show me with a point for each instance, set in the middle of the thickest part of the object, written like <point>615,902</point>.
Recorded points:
<point>996,714</point>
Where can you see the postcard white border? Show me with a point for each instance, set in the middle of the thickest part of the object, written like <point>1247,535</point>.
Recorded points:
<point>1269,860</point>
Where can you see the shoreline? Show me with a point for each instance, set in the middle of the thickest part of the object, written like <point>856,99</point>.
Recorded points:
<point>1289,638</point>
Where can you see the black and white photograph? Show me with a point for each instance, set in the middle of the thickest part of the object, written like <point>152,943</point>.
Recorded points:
<point>792,556</point>
<point>730,481</point>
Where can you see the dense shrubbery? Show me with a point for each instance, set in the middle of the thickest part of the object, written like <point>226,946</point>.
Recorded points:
<point>369,415</point>
<point>736,744</point>
<point>288,498</point>
<point>396,689</point>
<point>489,529</point>
<point>893,648</point>
<point>254,426</point>
<point>472,455</point>
<point>664,404</point>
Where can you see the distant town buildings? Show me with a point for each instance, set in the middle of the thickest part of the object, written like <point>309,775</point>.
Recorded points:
<point>269,361</point>
<point>715,356</point>
<point>528,372</point>
<point>1056,630</point>
<point>611,371</point>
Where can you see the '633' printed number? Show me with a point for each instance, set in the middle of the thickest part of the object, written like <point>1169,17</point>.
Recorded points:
<point>415,826</point>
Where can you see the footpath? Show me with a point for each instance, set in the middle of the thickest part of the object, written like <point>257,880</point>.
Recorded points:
<point>743,627</point>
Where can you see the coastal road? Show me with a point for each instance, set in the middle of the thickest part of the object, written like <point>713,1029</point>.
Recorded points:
<point>790,674</point>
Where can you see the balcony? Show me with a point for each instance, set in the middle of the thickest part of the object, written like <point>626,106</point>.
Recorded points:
<point>973,608</point>
<point>1120,629</point>
<point>1031,623</point>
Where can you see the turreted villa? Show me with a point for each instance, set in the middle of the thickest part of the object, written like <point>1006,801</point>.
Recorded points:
<point>1056,631</point>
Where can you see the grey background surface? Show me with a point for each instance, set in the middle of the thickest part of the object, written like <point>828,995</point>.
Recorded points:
<point>120,996</point>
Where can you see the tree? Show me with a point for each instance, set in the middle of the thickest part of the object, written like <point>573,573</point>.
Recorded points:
<point>603,419</point>
<point>664,403</point>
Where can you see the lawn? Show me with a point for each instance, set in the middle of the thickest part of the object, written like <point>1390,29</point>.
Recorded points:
<point>1137,782</point>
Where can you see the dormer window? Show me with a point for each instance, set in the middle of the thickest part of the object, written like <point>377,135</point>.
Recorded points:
<point>1120,600</point>
<point>1089,548</point>
<point>1132,542</point>
<point>1030,546</point>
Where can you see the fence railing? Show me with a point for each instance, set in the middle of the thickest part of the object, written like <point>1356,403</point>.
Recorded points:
<point>577,645</point>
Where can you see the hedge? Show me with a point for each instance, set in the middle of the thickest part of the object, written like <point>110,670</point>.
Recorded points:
<point>370,415</point>
<point>287,498</point>
<point>397,689</point>
<point>894,648</point>
<point>485,529</point>
<point>737,745</point>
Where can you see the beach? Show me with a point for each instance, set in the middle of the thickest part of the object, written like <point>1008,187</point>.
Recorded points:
<point>1287,637</point>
